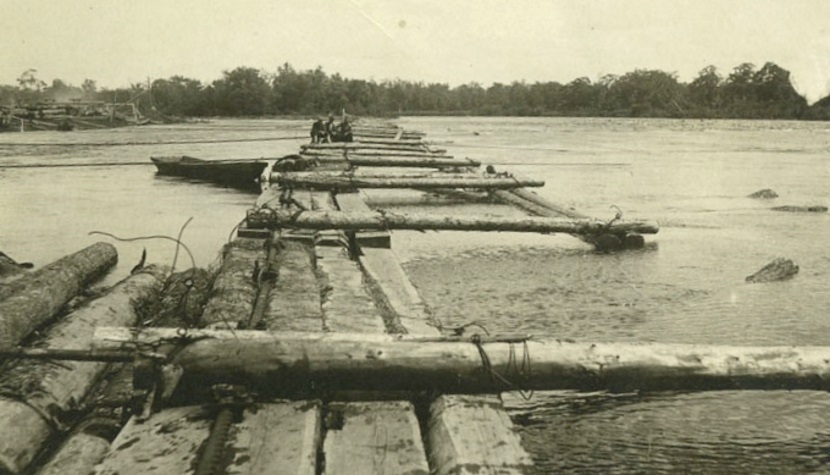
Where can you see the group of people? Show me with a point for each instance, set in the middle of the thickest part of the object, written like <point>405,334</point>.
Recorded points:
<point>326,132</point>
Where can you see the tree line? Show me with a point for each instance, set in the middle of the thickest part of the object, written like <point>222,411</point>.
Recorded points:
<point>746,92</point>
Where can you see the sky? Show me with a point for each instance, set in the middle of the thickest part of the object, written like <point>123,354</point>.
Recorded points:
<point>121,42</point>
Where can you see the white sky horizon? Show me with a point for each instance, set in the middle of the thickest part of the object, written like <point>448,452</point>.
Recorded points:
<point>455,42</point>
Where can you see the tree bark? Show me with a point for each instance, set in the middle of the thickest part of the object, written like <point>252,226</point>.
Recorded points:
<point>235,286</point>
<point>386,362</point>
<point>32,300</point>
<point>391,221</point>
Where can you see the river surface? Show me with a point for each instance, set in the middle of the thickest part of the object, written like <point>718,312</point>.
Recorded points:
<point>687,286</point>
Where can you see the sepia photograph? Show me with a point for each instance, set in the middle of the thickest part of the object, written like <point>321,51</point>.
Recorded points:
<point>438,237</point>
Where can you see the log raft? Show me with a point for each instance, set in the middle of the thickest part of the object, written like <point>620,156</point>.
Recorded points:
<point>411,400</point>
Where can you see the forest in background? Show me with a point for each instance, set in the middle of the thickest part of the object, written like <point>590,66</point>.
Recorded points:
<point>746,92</point>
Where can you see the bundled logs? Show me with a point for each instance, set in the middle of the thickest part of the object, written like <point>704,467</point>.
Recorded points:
<point>44,392</point>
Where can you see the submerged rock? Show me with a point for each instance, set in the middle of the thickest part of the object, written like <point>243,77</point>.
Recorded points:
<point>802,209</point>
<point>765,194</point>
<point>779,269</point>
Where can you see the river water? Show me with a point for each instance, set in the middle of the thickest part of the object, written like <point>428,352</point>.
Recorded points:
<point>687,286</point>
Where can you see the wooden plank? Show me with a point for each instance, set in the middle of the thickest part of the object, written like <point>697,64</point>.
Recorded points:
<point>277,439</point>
<point>347,306</point>
<point>383,268</point>
<point>373,438</point>
<point>351,202</point>
<point>79,454</point>
<point>165,444</point>
<point>473,435</point>
<point>294,301</point>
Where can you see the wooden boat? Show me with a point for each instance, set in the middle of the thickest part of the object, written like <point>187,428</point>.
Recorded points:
<point>236,173</point>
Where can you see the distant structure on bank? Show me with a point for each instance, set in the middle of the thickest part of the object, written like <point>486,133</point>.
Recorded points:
<point>70,115</point>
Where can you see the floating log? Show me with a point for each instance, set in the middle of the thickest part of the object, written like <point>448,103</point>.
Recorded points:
<point>399,161</point>
<point>373,438</point>
<point>30,301</point>
<point>390,221</point>
<point>473,434</point>
<point>779,269</point>
<point>400,362</point>
<point>43,391</point>
<point>801,209</point>
<point>392,141</point>
<point>316,180</point>
<point>544,203</point>
<point>397,146</point>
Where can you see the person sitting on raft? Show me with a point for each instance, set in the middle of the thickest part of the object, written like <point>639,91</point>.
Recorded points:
<point>318,131</point>
<point>344,131</point>
<point>330,129</point>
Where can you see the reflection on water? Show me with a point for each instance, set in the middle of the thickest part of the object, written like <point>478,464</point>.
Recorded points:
<point>690,176</point>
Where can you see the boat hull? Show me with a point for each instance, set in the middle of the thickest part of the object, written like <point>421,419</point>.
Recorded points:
<point>236,173</point>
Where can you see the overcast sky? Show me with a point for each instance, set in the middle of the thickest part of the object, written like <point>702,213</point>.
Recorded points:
<point>120,42</point>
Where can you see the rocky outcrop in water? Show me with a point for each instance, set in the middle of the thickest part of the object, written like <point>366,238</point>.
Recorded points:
<point>779,269</point>
<point>765,194</point>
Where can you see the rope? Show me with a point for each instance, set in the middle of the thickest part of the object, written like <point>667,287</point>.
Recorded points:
<point>143,238</point>
<point>522,372</point>
<point>179,243</point>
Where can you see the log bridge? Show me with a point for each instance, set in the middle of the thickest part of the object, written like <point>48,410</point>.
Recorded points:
<point>310,351</point>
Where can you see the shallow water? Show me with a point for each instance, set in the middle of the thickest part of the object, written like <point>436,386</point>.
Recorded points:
<point>687,286</point>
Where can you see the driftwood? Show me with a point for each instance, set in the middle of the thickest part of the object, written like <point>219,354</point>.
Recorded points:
<point>779,269</point>
<point>320,181</point>
<point>30,301</point>
<point>44,392</point>
<point>801,209</point>
<point>390,221</point>
<point>385,362</point>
